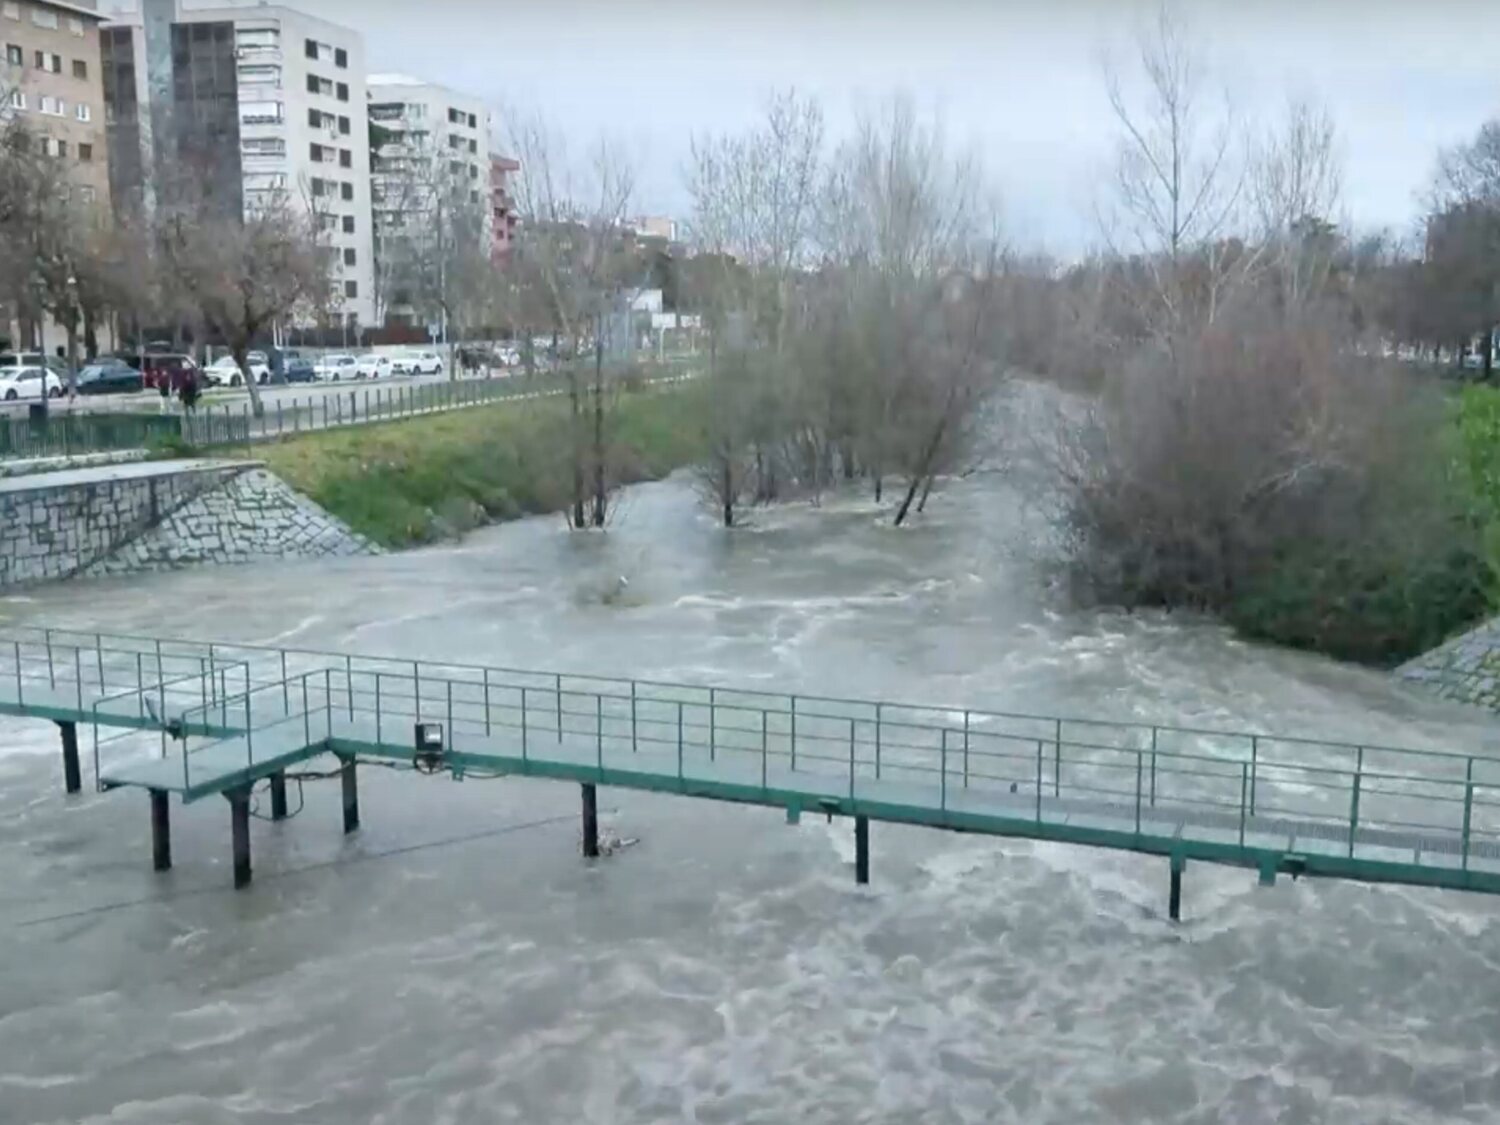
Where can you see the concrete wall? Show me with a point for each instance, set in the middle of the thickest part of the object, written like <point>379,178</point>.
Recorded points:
<point>155,516</point>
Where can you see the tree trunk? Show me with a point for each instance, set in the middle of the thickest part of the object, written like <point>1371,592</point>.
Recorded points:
<point>1489,352</point>
<point>601,500</point>
<point>90,335</point>
<point>879,487</point>
<point>911,492</point>
<point>240,350</point>
<point>72,357</point>
<point>575,412</point>
<point>726,493</point>
<point>926,492</point>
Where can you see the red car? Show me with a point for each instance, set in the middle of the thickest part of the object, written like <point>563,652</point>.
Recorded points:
<point>170,370</point>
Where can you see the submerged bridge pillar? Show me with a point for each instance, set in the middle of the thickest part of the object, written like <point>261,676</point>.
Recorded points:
<point>1174,895</point>
<point>590,821</point>
<point>861,849</point>
<point>72,777</point>
<point>239,825</point>
<point>350,781</point>
<point>161,831</point>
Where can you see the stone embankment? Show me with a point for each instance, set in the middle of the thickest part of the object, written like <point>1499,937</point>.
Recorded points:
<point>1465,669</point>
<point>158,516</point>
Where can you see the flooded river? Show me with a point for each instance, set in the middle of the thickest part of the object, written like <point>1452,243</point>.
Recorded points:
<point>456,961</point>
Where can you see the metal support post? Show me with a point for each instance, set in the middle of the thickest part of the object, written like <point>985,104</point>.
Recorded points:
<point>72,777</point>
<point>861,849</point>
<point>239,825</point>
<point>1174,898</point>
<point>351,795</point>
<point>161,831</point>
<point>278,795</point>
<point>590,822</point>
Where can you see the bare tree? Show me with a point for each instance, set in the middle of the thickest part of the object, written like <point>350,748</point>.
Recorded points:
<point>56,251</point>
<point>242,271</point>
<point>909,224</point>
<point>755,198</point>
<point>432,220</point>
<point>1179,175</point>
<point>575,268</point>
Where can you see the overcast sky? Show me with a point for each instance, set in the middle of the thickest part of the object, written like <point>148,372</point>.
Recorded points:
<point>1020,80</point>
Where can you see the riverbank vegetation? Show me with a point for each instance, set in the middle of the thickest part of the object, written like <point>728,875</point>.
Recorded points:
<point>424,479</point>
<point>1255,448</point>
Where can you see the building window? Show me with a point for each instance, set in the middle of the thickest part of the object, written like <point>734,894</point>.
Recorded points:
<point>346,158</point>
<point>327,221</point>
<point>351,289</point>
<point>348,224</point>
<point>86,153</point>
<point>312,83</point>
<point>83,112</point>
<point>43,18</point>
<point>261,113</point>
<point>17,100</point>
<point>343,91</point>
<point>316,153</point>
<point>317,187</point>
<point>473,121</point>
<point>312,48</point>
<point>344,126</point>
<point>348,256</point>
<point>257,38</point>
<point>341,58</point>
<point>14,55</point>
<point>346,191</point>
<point>80,68</point>
<point>474,146</point>
<point>75,26</point>
<point>86,193</point>
<point>62,148</point>
<point>12,10</point>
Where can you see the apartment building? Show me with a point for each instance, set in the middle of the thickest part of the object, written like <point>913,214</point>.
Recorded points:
<point>502,205</point>
<point>264,99</point>
<point>50,77</point>
<point>423,130</point>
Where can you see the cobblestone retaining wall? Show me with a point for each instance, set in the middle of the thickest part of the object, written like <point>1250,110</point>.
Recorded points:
<point>252,516</point>
<point>80,524</point>
<point>1466,669</point>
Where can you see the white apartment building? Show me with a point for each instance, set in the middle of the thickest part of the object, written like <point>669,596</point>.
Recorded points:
<point>279,95</point>
<point>421,122</point>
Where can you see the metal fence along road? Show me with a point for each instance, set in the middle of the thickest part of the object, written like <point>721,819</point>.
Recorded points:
<point>225,717</point>
<point>217,424</point>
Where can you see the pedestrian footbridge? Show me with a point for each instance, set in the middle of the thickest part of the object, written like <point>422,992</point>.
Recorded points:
<point>225,718</point>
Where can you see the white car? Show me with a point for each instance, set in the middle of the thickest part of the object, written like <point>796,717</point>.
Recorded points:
<point>333,368</point>
<point>224,372</point>
<point>28,382</point>
<point>418,363</point>
<point>373,367</point>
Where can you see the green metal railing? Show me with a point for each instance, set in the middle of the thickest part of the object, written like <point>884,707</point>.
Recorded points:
<point>1231,792</point>
<point>69,435</point>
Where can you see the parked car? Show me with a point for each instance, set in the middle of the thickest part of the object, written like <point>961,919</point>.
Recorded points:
<point>297,368</point>
<point>224,372</point>
<point>373,367</point>
<point>417,363</point>
<point>14,361</point>
<point>108,375</point>
<point>29,382</point>
<point>332,368</point>
<point>169,371</point>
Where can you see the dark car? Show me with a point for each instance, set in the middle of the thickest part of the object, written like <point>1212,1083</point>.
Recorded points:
<point>297,369</point>
<point>289,366</point>
<point>108,376</point>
